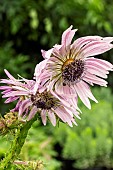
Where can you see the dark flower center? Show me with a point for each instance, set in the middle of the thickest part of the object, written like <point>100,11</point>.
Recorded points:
<point>43,100</point>
<point>72,72</point>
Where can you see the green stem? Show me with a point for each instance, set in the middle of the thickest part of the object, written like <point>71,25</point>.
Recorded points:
<point>16,145</point>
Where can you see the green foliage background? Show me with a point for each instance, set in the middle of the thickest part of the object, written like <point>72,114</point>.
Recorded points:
<point>26,27</point>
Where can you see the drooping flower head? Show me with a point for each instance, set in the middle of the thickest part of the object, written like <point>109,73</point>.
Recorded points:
<point>70,68</point>
<point>30,101</point>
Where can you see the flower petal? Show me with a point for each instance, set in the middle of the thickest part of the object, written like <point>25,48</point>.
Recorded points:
<point>94,48</point>
<point>47,54</point>
<point>91,78</point>
<point>43,116</point>
<point>24,105</point>
<point>67,36</point>
<point>52,118</point>
<point>100,63</point>
<point>11,99</point>
<point>9,75</point>
<point>87,90</point>
<point>82,95</point>
<point>32,113</point>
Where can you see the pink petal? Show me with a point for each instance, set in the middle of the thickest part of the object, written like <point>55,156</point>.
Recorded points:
<point>65,52</point>
<point>18,104</point>
<point>47,54</point>
<point>11,99</point>
<point>73,101</point>
<point>15,93</point>
<point>59,86</point>
<point>66,90</point>
<point>5,87</point>
<point>87,90</point>
<point>61,98</point>
<point>32,113</point>
<point>6,91</point>
<point>24,105</point>
<point>97,71</point>
<point>73,121</point>
<point>19,88</point>
<point>52,118</point>
<point>6,81</point>
<point>39,67</point>
<point>57,56</point>
<point>108,39</point>
<point>72,112</point>
<point>9,75</point>
<point>67,36</point>
<point>42,89</point>
<point>101,63</point>
<point>36,87</point>
<point>11,82</point>
<point>43,116</point>
<point>82,95</point>
<point>80,42</point>
<point>60,114</point>
<point>63,115</point>
<point>90,78</point>
<point>95,48</point>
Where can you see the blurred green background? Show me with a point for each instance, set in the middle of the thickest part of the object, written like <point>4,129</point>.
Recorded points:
<point>26,27</point>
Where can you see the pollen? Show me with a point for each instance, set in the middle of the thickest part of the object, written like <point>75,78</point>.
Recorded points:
<point>72,72</point>
<point>43,100</point>
<point>67,62</point>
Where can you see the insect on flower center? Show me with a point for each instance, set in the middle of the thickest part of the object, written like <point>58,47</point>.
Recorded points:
<point>72,71</point>
<point>43,100</point>
<point>67,62</point>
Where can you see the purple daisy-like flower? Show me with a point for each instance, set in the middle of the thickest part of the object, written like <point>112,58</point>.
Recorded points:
<point>70,68</point>
<point>30,101</point>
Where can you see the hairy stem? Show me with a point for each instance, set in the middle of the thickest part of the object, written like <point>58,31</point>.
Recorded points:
<point>16,145</point>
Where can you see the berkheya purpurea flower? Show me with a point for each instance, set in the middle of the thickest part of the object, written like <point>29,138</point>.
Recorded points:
<point>31,101</point>
<point>69,69</point>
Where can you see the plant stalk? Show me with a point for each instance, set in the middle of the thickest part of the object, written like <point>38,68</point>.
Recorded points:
<point>17,144</point>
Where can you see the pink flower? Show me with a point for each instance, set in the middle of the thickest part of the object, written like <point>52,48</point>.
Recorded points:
<point>70,68</point>
<point>30,101</point>
<point>15,88</point>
